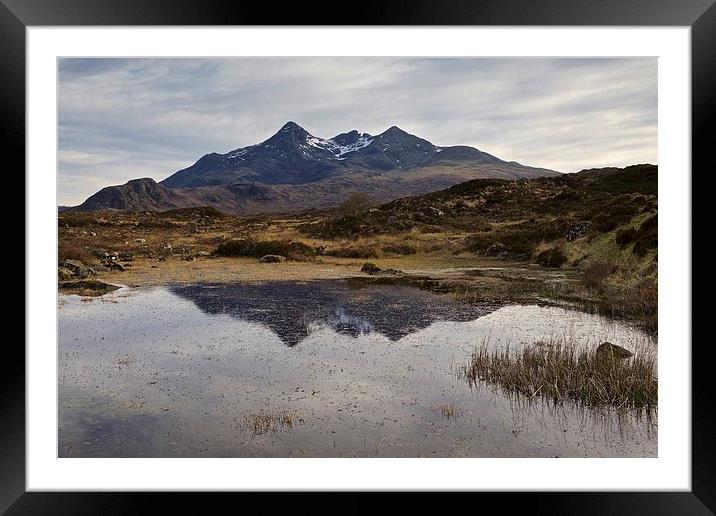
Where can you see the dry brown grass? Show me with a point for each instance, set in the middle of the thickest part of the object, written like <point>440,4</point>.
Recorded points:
<point>597,273</point>
<point>558,371</point>
<point>69,251</point>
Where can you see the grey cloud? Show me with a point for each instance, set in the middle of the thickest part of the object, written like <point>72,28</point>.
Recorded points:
<point>125,118</point>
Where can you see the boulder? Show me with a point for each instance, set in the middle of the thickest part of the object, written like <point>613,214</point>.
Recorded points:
<point>63,273</point>
<point>272,258</point>
<point>78,269</point>
<point>115,266</point>
<point>496,249</point>
<point>607,349</point>
<point>370,268</point>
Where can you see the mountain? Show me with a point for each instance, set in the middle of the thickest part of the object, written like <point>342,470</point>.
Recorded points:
<point>139,195</point>
<point>294,170</point>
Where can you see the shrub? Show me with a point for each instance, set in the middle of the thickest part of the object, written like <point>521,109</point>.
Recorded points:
<point>401,249</point>
<point>624,237</point>
<point>554,257</point>
<point>647,236</point>
<point>353,204</point>
<point>596,273</point>
<point>352,251</point>
<point>259,248</point>
<point>617,212</point>
<point>202,211</point>
<point>370,268</point>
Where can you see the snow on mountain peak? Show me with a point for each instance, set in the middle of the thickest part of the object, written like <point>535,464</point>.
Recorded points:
<point>338,150</point>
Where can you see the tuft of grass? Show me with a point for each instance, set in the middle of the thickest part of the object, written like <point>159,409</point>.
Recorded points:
<point>263,421</point>
<point>450,411</point>
<point>558,371</point>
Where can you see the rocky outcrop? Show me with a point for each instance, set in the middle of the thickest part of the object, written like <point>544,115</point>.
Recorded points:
<point>87,287</point>
<point>577,230</point>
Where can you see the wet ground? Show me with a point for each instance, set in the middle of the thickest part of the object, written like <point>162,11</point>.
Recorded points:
<point>314,369</point>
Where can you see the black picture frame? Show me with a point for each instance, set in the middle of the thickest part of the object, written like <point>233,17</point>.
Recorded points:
<point>700,15</point>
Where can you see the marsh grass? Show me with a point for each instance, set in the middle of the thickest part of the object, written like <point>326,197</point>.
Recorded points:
<point>263,421</point>
<point>558,371</point>
<point>450,411</point>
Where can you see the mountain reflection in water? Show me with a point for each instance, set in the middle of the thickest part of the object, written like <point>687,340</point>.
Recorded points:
<point>292,310</point>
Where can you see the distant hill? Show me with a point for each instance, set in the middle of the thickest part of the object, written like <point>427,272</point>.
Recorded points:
<point>294,170</point>
<point>522,212</point>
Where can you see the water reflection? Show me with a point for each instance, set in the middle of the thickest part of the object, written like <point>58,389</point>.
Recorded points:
<point>293,309</point>
<point>155,373</point>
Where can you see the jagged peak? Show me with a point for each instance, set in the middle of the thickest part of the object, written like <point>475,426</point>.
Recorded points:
<point>291,127</point>
<point>394,129</point>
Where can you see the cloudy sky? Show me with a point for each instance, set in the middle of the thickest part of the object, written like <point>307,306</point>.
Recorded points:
<point>121,119</point>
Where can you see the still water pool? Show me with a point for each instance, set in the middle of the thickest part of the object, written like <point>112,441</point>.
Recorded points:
<point>315,369</point>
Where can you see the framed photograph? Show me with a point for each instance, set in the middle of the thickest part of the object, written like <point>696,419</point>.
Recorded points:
<point>414,250</point>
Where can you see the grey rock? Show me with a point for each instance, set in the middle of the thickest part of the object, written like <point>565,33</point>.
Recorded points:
<point>577,230</point>
<point>607,349</point>
<point>87,287</point>
<point>79,269</point>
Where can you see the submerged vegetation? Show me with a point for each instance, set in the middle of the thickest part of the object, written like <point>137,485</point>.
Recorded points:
<point>263,421</point>
<point>558,371</point>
